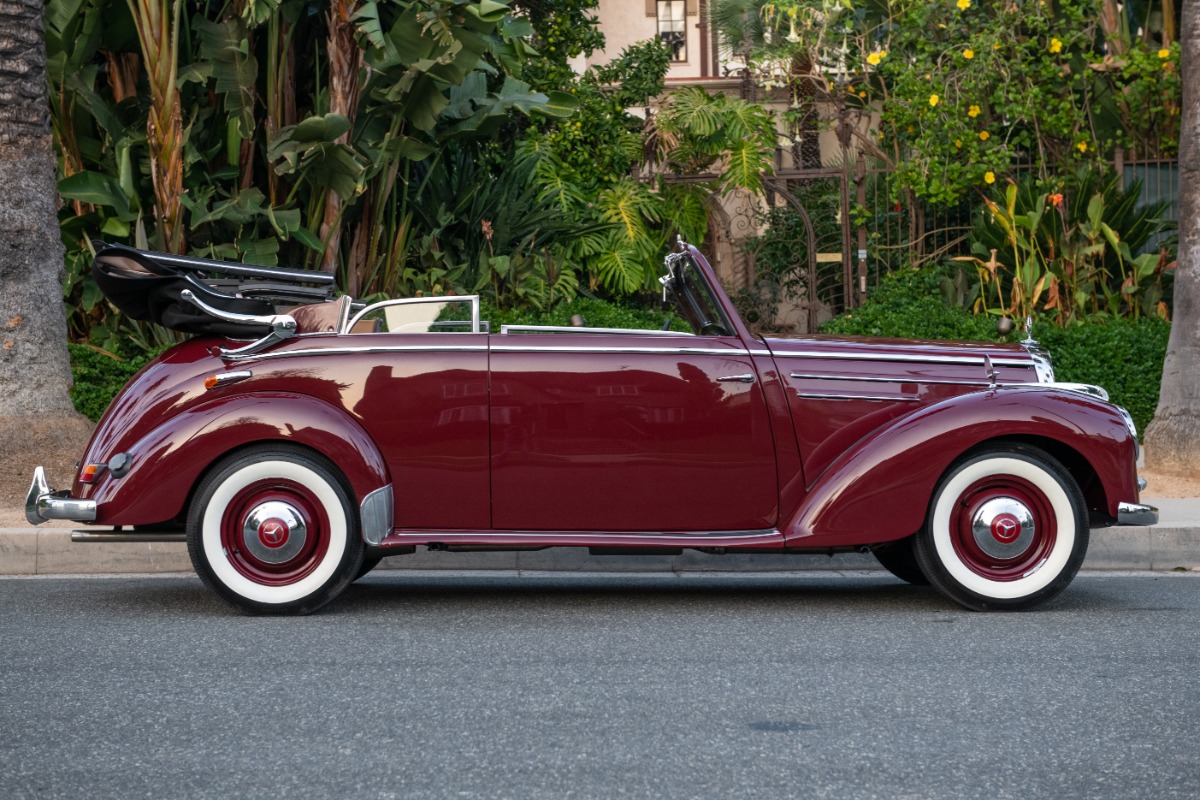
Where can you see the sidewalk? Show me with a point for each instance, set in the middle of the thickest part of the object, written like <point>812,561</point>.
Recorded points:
<point>1173,544</point>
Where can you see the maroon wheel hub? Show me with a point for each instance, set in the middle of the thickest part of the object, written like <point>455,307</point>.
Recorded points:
<point>275,532</point>
<point>1003,527</point>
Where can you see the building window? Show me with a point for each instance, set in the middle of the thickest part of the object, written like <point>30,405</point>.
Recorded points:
<point>672,27</point>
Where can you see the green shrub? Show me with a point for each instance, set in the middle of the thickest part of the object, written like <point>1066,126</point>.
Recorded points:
<point>1125,356</point>
<point>908,303</point>
<point>98,376</point>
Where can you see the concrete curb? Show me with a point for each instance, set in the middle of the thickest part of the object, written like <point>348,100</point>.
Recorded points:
<point>1173,544</point>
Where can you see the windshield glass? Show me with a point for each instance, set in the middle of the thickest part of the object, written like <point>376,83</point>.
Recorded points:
<point>686,287</point>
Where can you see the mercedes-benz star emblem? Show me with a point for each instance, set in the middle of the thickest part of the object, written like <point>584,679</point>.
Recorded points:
<point>273,533</point>
<point>1006,528</point>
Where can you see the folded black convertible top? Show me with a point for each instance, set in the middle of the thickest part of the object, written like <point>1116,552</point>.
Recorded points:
<point>147,286</point>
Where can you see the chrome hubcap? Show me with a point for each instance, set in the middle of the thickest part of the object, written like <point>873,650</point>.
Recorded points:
<point>1003,528</point>
<point>274,532</point>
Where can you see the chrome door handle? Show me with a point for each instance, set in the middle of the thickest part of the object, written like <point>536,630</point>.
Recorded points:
<point>736,379</point>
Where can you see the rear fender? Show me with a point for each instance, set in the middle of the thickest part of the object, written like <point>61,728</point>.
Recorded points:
<point>880,489</point>
<point>168,461</point>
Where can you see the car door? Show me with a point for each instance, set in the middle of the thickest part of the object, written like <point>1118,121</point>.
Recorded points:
<point>632,431</point>
<point>425,403</point>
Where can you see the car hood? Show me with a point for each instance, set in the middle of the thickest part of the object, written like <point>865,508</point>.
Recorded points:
<point>913,358</point>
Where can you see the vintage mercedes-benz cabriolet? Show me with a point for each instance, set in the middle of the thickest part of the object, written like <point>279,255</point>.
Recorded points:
<point>299,438</point>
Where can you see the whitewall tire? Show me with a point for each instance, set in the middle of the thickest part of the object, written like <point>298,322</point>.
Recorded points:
<point>274,529</point>
<point>1007,528</point>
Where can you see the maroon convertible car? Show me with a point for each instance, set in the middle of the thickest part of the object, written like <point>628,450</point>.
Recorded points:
<point>298,438</point>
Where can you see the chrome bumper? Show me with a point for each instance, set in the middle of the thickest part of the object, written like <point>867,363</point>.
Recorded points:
<point>1136,514</point>
<point>43,503</point>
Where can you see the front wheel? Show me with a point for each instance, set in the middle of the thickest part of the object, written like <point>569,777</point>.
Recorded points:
<point>1007,529</point>
<point>273,530</point>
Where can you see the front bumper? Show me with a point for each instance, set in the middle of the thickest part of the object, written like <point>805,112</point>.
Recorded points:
<point>1136,514</point>
<point>43,503</point>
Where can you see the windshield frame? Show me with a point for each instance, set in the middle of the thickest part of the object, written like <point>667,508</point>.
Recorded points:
<point>688,288</point>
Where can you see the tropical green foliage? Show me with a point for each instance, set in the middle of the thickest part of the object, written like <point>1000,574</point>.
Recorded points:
<point>1074,256</point>
<point>376,141</point>
<point>584,166</point>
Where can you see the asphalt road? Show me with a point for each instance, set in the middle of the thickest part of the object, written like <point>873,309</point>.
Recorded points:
<point>593,686</point>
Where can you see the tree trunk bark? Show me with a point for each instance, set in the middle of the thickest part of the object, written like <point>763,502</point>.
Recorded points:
<point>1173,437</point>
<point>34,367</point>
<point>38,424</point>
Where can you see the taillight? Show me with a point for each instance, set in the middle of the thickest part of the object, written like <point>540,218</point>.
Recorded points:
<point>89,473</point>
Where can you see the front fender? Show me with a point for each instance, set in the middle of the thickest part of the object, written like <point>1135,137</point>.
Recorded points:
<point>168,461</point>
<point>880,489</point>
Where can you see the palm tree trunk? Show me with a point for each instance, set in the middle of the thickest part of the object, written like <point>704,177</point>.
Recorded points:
<point>34,369</point>
<point>1173,438</point>
<point>38,424</point>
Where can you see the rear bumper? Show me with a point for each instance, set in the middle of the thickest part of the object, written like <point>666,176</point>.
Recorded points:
<point>1136,514</point>
<point>43,503</point>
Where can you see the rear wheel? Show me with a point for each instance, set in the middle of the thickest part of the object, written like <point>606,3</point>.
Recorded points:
<point>1007,528</point>
<point>898,558</point>
<point>273,529</point>
<point>369,563</point>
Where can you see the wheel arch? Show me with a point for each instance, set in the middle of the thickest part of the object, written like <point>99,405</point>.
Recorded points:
<point>170,462</point>
<point>1073,461</point>
<point>899,467</point>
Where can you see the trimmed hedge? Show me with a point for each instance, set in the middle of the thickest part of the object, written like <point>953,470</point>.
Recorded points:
<point>98,377</point>
<point>908,304</point>
<point>1125,356</point>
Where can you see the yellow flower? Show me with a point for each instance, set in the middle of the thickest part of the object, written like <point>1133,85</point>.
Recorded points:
<point>989,177</point>
<point>1164,53</point>
<point>862,94</point>
<point>874,59</point>
<point>973,112</point>
<point>958,142</point>
<point>1082,147</point>
<point>995,45</point>
<point>984,136</point>
<point>1055,46</point>
<point>933,100</point>
<point>968,53</point>
<point>963,5</point>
